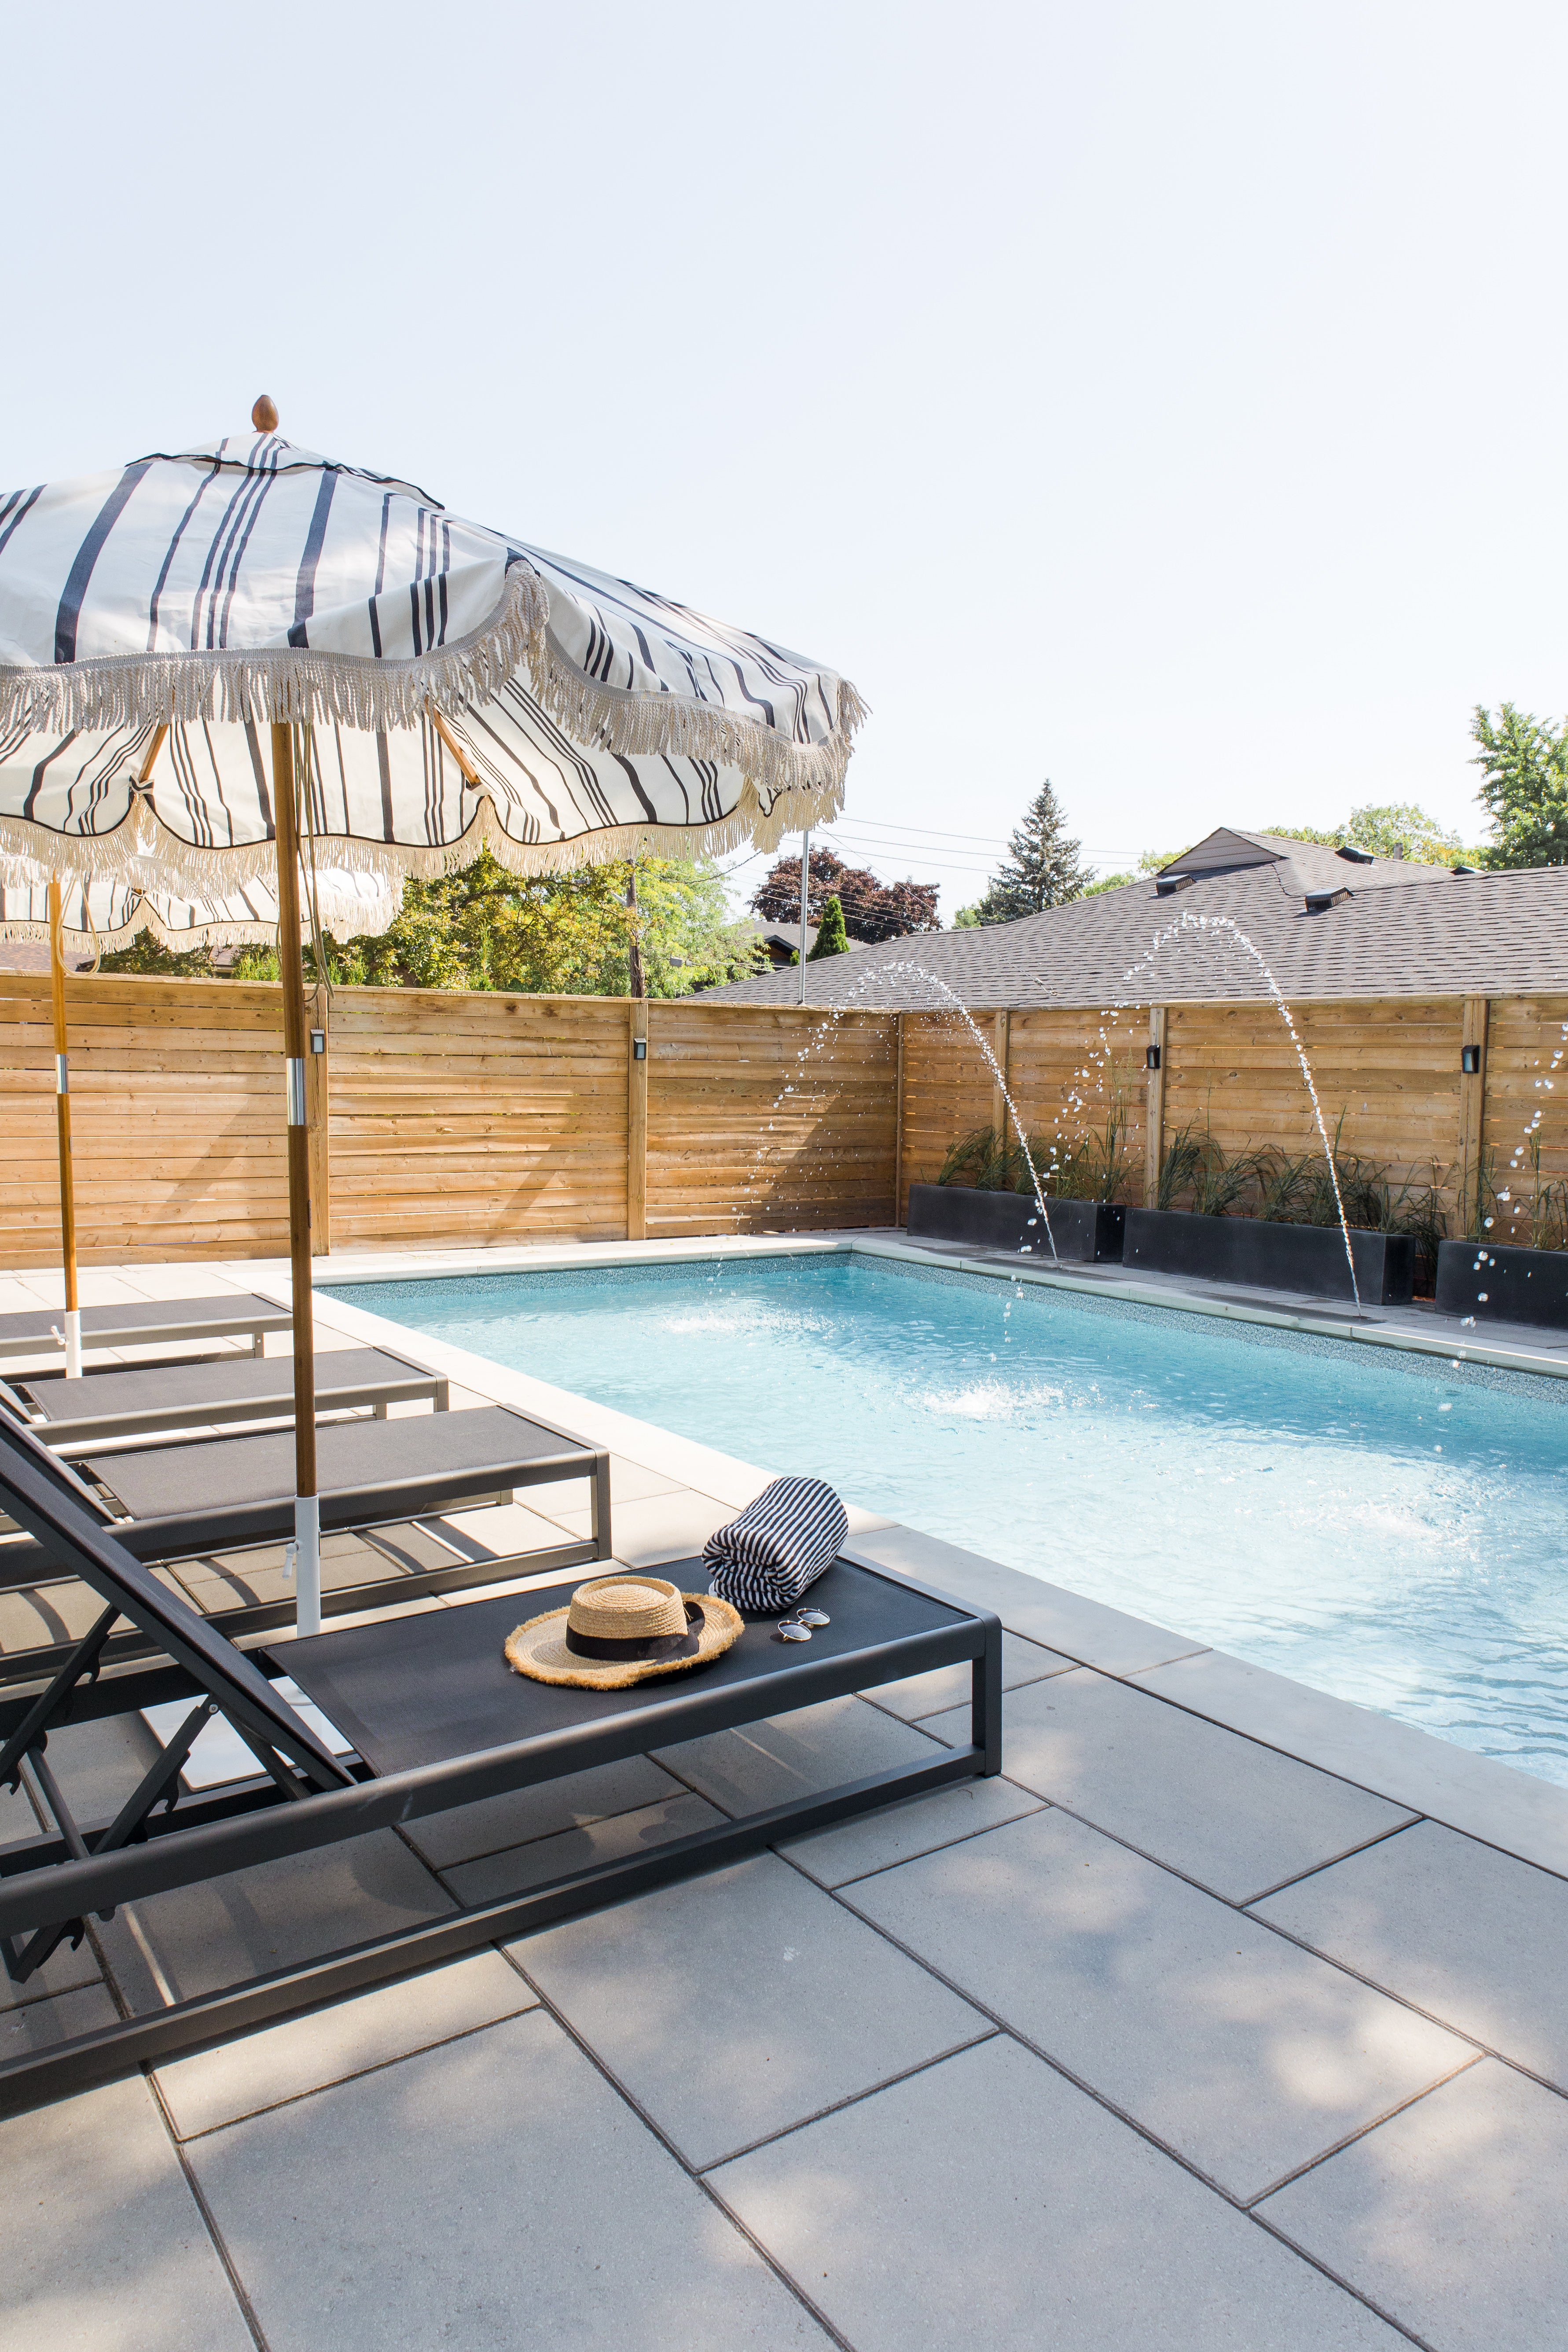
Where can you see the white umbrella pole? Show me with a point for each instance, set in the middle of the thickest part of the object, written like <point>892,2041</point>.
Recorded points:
<point>307,1504</point>
<point>63,1126</point>
<point>804,888</point>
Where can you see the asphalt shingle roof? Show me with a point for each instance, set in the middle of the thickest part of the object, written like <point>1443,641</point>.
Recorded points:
<point>1402,930</point>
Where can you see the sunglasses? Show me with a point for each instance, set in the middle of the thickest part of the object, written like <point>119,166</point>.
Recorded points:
<point>801,1625</point>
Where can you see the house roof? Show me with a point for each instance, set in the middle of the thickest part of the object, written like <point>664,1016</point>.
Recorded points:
<point>1383,928</point>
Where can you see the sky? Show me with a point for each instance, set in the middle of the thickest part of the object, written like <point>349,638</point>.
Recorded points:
<point>1166,400</point>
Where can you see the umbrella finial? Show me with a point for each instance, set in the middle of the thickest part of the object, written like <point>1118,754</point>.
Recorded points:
<point>264,415</point>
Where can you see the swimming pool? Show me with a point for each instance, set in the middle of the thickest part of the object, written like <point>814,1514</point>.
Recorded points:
<point>1385,1527</point>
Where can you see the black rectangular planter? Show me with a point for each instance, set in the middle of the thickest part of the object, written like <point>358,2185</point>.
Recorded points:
<point>1084,1232</point>
<point>1502,1283</point>
<point>1258,1254</point>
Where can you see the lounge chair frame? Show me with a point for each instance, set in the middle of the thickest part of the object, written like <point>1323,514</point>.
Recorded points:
<point>308,1799</point>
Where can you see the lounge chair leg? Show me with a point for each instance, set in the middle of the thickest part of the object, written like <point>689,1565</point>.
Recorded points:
<point>986,1704</point>
<point>603,1549</point>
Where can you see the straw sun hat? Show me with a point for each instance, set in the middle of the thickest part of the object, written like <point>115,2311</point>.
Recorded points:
<point>621,1630</point>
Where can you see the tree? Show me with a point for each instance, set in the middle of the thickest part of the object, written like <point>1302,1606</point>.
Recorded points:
<point>571,933</point>
<point>1387,828</point>
<point>1523,763</point>
<point>873,909</point>
<point>1043,869</point>
<point>831,938</point>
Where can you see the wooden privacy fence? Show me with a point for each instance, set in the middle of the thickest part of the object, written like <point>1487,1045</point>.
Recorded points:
<point>452,1120</point>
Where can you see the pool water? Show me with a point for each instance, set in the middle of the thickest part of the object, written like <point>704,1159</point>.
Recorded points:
<point>1385,1527</point>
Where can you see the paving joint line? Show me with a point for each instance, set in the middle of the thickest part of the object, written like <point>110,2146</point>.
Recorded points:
<point>240,2291</point>
<point>852,2098</point>
<point>786,2280</point>
<point>1400,2106</point>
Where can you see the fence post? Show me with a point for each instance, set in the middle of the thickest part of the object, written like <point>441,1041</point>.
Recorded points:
<point>898,1126</point>
<point>1002,1031</point>
<point>637,1120</point>
<point>1473,1102</point>
<point>1155,1109</point>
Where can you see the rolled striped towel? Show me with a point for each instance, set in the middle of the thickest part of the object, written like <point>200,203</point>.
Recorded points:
<point>780,1544</point>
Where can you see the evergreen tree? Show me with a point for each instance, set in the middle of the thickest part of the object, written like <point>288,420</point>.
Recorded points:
<point>1043,869</point>
<point>1523,763</point>
<point>831,936</point>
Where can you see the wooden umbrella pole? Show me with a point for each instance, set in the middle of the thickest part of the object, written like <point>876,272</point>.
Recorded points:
<point>63,1126</point>
<point>307,1504</point>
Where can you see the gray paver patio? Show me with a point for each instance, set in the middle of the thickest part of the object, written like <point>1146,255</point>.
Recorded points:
<point>1222,1810</point>
<point>1468,1933</point>
<point>1450,2215</point>
<point>467,1831</point>
<point>495,1875</point>
<point>788,1755</point>
<point>948,1686</point>
<point>989,2201</point>
<point>739,2003</point>
<point>106,2250</point>
<point>495,2193</point>
<point>1247,2056</point>
<point>877,1840</point>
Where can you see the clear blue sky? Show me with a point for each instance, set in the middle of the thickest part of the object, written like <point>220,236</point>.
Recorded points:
<point>1167,399</point>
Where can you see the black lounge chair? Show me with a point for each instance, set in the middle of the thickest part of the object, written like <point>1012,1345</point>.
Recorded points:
<point>238,1491</point>
<point>437,1720</point>
<point>145,1322</point>
<point>141,1399</point>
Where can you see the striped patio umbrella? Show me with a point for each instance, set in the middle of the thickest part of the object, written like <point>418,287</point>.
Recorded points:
<point>211,654</point>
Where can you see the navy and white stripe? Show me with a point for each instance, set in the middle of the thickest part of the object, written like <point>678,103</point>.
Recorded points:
<point>252,581</point>
<point>780,1545</point>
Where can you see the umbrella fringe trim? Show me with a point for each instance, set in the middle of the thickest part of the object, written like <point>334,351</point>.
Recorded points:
<point>189,870</point>
<point>286,684</point>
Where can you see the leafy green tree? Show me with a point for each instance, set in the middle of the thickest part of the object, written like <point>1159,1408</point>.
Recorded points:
<point>1042,870</point>
<point>149,958</point>
<point>1523,763</point>
<point>1387,828</point>
<point>831,936</point>
<point>551,934</point>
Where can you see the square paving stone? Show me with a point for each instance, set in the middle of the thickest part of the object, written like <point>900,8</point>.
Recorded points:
<point>488,2195</point>
<point>739,2003</point>
<point>1470,1935</point>
<point>948,1686</point>
<point>1246,2055</point>
<point>915,1825</point>
<point>1450,2216</point>
<point>1222,1810</point>
<point>988,2201</point>
<point>252,1921</point>
<point>106,2250</point>
<point>785,1756</point>
<point>348,2037</point>
<point>495,1876</point>
<point>467,1831</point>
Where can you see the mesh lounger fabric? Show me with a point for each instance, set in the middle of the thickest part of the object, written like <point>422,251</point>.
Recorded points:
<point>265,1383</point>
<point>231,1311</point>
<point>438,1448</point>
<point>780,1544</point>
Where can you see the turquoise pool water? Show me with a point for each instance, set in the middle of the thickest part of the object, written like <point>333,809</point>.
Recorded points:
<point>1387,1528</point>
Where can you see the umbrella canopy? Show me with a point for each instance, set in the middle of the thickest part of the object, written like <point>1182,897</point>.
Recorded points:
<point>431,686</point>
<point>251,581</point>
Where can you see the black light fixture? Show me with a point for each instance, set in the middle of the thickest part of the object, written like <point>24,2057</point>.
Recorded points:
<point>639,1049</point>
<point>317,1041</point>
<point>1470,1060</point>
<point>1152,1059</point>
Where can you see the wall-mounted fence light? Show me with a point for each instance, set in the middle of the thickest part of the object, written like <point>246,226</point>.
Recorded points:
<point>1470,1060</point>
<point>1152,1059</point>
<point>317,1041</point>
<point>639,1049</point>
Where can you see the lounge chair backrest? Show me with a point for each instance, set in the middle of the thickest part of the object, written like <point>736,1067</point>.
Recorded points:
<point>33,1494</point>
